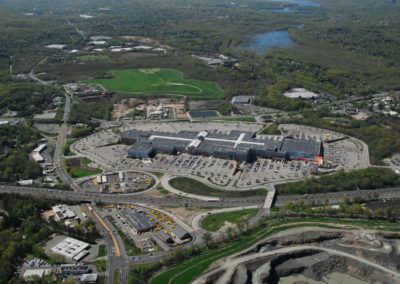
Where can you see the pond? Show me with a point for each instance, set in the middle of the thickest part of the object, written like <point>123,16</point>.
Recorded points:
<point>263,42</point>
<point>203,114</point>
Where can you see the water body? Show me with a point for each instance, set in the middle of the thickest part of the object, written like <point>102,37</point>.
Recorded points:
<point>287,10</point>
<point>263,42</point>
<point>303,3</point>
<point>283,10</point>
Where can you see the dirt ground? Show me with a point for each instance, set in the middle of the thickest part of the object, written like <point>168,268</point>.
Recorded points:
<point>185,214</point>
<point>123,107</point>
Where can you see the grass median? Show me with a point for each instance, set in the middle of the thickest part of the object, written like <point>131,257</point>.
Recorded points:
<point>215,221</point>
<point>193,186</point>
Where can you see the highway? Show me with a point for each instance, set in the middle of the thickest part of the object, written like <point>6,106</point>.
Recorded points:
<point>130,199</point>
<point>333,197</point>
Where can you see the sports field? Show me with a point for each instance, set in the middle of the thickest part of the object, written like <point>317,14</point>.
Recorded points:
<point>158,81</point>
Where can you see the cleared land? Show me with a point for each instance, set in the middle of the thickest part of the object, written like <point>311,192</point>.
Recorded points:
<point>158,81</point>
<point>196,187</point>
<point>216,221</point>
<point>188,270</point>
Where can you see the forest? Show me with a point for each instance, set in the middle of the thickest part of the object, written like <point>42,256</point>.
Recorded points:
<point>26,98</point>
<point>371,178</point>
<point>341,47</point>
<point>15,144</point>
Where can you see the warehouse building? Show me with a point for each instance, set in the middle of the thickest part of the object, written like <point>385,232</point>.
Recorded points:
<point>165,237</point>
<point>137,220</point>
<point>67,270</point>
<point>72,249</point>
<point>181,234</point>
<point>237,145</point>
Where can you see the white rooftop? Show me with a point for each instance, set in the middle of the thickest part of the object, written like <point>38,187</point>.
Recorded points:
<point>33,273</point>
<point>70,247</point>
<point>300,93</point>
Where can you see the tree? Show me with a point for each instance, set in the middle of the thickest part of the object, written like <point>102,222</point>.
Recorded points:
<point>207,238</point>
<point>242,227</point>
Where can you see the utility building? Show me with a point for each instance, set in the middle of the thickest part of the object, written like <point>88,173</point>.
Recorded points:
<point>137,220</point>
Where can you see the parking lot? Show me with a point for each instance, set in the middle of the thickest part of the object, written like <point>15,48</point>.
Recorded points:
<point>269,171</point>
<point>219,127</point>
<point>121,182</point>
<point>217,171</point>
<point>341,152</point>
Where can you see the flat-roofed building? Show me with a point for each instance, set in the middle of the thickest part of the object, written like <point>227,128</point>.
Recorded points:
<point>34,274</point>
<point>63,212</point>
<point>74,270</point>
<point>164,237</point>
<point>181,233</point>
<point>137,220</point>
<point>72,249</point>
<point>241,100</point>
<point>88,278</point>
<point>237,145</point>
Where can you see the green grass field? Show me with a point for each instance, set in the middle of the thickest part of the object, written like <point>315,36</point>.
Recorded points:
<point>193,186</point>
<point>190,269</point>
<point>216,221</point>
<point>79,168</point>
<point>239,118</point>
<point>102,251</point>
<point>158,81</point>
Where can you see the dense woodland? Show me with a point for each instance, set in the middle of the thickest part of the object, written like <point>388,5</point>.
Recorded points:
<point>23,233</point>
<point>371,178</point>
<point>25,98</point>
<point>15,144</point>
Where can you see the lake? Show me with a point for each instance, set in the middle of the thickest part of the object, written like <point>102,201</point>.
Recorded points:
<point>303,3</point>
<point>263,42</point>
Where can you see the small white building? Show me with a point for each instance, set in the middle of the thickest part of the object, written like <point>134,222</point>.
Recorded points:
<point>25,182</point>
<point>33,274</point>
<point>300,93</point>
<point>88,278</point>
<point>63,212</point>
<point>241,100</point>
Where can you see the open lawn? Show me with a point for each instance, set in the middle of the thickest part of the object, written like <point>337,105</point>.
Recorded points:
<point>190,269</point>
<point>216,221</point>
<point>78,168</point>
<point>102,251</point>
<point>196,187</point>
<point>91,58</point>
<point>101,265</point>
<point>158,81</point>
<point>239,118</point>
